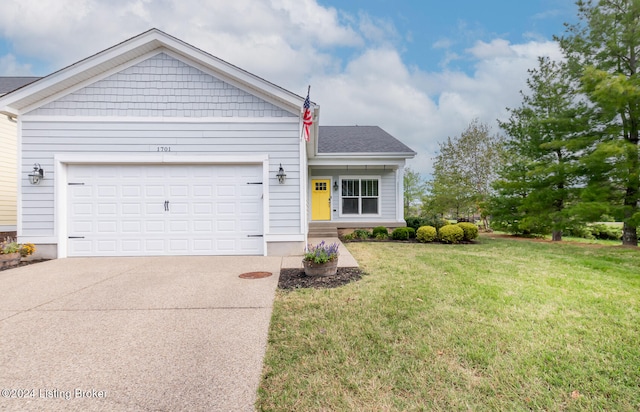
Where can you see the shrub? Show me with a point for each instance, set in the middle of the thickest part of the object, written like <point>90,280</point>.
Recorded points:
<point>401,233</point>
<point>361,234</point>
<point>451,234</point>
<point>470,230</point>
<point>426,234</point>
<point>414,222</point>
<point>579,231</point>
<point>412,233</point>
<point>378,230</point>
<point>606,232</point>
<point>381,236</point>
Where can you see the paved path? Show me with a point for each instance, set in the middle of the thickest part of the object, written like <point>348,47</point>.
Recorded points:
<point>134,334</point>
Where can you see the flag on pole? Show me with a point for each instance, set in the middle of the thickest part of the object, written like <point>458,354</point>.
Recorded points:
<point>307,120</point>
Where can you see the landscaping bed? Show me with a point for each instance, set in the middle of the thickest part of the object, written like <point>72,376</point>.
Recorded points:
<point>296,279</point>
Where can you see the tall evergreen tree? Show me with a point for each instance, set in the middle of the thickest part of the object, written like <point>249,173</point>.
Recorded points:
<point>602,49</point>
<point>540,180</point>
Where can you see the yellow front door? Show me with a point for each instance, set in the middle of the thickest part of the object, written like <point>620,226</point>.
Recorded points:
<point>321,199</point>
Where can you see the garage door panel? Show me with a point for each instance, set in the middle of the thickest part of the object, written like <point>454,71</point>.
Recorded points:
<point>122,210</point>
<point>132,227</point>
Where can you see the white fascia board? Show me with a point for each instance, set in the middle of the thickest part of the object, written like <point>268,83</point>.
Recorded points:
<point>357,162</point>
<point>157,158</point>
<point>158,119</point>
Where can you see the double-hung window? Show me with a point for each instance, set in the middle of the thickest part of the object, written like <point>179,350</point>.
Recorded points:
<point>360,196</point>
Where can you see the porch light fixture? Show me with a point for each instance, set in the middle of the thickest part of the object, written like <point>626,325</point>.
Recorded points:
<point>281,175</point>
<point>335,186</point>
<point>37,175</point>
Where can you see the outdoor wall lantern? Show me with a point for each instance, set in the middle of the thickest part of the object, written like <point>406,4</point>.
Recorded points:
<point>281,175</point>
<point>335,186</point>
<point>37,175</point>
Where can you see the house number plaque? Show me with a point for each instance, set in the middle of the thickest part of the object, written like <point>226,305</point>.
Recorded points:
<point>163,148</point>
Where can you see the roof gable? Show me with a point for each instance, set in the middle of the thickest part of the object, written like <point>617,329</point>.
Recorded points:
<point>158,87</point>
<point>131,51</point>
<point>368,140</point>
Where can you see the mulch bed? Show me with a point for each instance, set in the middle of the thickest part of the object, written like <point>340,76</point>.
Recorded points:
<point>24,263</point>
<point>296,279</point>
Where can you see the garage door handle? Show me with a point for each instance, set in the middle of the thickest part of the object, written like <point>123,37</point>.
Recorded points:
<point>255,235</point>
<point>166,205</point>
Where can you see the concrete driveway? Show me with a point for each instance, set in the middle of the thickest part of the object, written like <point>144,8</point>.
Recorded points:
<point>134,334</point>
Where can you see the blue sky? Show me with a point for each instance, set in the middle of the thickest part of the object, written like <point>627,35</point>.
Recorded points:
<point>422,70</point>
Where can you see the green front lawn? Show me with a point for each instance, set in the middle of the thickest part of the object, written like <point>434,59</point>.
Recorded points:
<point>500,325</point>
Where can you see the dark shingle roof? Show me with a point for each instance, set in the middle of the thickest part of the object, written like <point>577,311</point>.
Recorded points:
<point>9,84</point>
<point>359,139</point>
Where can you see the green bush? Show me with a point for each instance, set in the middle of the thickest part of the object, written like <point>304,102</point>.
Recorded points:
<point>414,222</point>
<point>412,233</point>
<point>426,234</point>
<point>401,233</point>
<point>470,230</point>
<point>450,234</point>
<point>606,232</point>
<point>380,230</point>
<point>361,234</point>
<point>579,231</point>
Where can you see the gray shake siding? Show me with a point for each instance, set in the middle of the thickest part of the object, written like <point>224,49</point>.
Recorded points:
<point>165,87</point>
<point>161,86</point>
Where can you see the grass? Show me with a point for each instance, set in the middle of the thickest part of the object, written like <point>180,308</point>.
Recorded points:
<point>501,325</point>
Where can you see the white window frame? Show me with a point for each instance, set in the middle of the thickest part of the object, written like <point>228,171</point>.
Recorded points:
<point>360,179</point>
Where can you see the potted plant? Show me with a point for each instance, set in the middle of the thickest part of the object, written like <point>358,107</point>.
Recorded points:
<point>11,252</point>
<point>321,260</point>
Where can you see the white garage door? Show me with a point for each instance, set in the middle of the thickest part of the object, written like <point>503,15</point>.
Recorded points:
<point>147,210</point>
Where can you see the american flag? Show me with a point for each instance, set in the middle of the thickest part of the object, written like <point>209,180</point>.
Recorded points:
<point>307,121</point>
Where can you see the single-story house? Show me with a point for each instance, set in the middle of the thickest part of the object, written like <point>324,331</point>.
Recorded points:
<point>9,157</point>
<point>155,147</point>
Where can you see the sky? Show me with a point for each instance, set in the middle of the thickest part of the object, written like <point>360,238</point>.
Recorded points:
<point>420,69</point>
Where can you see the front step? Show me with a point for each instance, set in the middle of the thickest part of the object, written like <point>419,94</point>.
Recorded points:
<point>320,230</point>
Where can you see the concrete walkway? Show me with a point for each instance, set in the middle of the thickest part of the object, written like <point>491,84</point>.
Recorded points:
<point>134,334</point>
<point>345,260</point>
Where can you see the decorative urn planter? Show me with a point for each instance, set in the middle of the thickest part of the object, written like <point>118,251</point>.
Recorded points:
<point>9,259</point>
<point>329,268</point>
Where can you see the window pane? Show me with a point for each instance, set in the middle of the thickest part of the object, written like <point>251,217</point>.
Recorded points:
<point>369,205</point>
<point>369,188</point>
<point>350,206</point>
<point>350,188</point>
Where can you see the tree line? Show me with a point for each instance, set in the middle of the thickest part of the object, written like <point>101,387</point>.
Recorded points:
<point>569,154</point>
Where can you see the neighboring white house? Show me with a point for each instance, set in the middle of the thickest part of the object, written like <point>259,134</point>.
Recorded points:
<point>9,157</point>
<point>154,147</point>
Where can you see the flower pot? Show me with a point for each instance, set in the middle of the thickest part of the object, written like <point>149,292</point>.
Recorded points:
<point>320,269</point>
<point>9,259</point>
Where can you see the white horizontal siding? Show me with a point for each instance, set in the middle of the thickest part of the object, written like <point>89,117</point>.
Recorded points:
<point>161,86</point>
<point>8,178</point>
<point>41,140</point>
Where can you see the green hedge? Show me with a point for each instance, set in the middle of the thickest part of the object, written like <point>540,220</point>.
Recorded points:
<point>401,233</point>
<point>450,234</point>
<point>426,234</point>
<point>470,230</point>
<point>380,230</point>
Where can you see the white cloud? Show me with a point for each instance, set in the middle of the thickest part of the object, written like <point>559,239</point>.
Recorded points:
<point>291,43</point>
<point>496,48</point>
<point>9,66</point>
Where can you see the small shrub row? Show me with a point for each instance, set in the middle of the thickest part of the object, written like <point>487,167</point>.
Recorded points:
<point>448,233</point>
<point>596,231</point>
<point>382,233</point>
